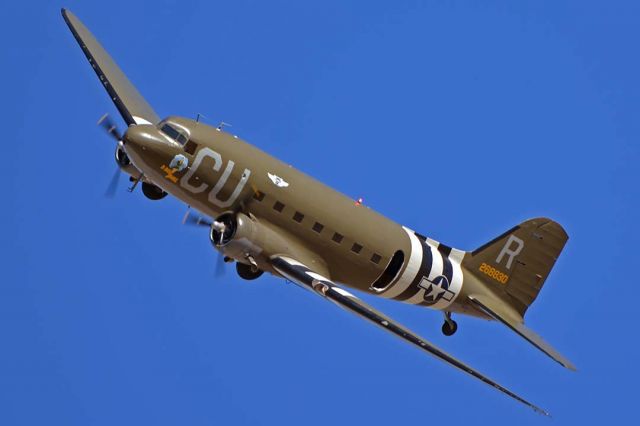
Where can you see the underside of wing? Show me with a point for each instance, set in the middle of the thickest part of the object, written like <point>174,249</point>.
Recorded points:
<point>305,277</point>
<point>130,103</point>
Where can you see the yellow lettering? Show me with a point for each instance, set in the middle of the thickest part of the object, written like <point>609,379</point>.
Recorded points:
<point>494,273</point>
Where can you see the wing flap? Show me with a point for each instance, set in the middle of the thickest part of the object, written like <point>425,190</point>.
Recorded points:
<point>306,278</point>
<point>484,304</point>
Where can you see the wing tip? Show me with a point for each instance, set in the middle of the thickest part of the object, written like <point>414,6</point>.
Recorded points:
<point>66,15</point>
<point>567,364</point>
<point>542,412</point>
<point>551,353</point>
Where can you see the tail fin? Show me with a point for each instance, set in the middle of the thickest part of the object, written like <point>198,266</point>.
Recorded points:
<point>514,267</point>
<point>131,105</point>
<point>519,260</point>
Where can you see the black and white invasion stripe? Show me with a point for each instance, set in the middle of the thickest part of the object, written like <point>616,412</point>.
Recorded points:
<point>430,264</point>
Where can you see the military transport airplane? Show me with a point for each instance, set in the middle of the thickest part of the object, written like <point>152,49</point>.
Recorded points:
<point>269,217</point>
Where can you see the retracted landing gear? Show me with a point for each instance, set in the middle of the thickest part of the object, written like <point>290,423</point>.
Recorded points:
<point>450,326</point>
<point>249,272</point>
<point>152,192</point>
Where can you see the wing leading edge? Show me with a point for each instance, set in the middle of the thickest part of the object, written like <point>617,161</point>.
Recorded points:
<point>305,277</point>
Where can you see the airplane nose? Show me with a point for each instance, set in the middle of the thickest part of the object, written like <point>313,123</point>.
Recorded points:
<point>146,147</point>
<point>143,137</point>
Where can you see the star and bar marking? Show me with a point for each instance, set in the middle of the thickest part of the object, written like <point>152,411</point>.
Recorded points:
<point>436,289</point>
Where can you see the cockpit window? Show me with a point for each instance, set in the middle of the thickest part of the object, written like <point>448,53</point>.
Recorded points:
<point>174,133</point>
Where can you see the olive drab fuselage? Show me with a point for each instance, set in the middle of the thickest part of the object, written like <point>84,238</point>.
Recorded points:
<point>225,173</point>
<point>337,236</point>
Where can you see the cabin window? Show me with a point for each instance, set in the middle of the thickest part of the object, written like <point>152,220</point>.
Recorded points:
<point>356,248</point>
<point>297,216</point>
<point>376,258</point>
<point>278,206</point>
<point>174,133</point>
<point>337,237</point>
<point>390,272</point>
<point>318,227</point>
<point>258,196</point>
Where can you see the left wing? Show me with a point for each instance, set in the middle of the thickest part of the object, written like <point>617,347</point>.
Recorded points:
<point>130,103</point>
<point>305,277</point>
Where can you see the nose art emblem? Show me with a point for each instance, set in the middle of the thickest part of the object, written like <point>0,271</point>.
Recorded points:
<point>178,164</point>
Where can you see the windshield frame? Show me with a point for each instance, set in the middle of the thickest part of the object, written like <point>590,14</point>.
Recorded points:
<point>174,132</point>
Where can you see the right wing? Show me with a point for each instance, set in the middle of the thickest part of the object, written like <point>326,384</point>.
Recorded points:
<point>131,105</point>
<point>305,277</point>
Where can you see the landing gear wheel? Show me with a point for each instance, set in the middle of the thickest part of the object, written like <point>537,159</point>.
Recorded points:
<point>248,272</point>
<point>449,327</point>
<point>152,192</point>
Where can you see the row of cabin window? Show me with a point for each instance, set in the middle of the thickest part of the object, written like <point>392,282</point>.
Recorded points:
<point>318,227</point>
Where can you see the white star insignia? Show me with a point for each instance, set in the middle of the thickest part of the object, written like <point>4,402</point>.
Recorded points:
<point>433,289</point>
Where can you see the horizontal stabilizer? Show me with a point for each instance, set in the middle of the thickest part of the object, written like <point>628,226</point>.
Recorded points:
<point>484,304</point>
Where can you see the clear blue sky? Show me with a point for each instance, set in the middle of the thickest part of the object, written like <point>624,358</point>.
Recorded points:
<point>457,119</point>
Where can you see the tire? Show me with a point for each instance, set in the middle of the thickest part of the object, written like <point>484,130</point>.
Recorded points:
<point>449,329</point>
<point>152,192</point>
<point>246,273</point>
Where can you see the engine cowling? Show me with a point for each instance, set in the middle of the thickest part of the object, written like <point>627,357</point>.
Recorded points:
<point>123,161</point>
<point>121,157</point>
<point>252,242</point>
<point>242,238</point>
<point>221,236</point>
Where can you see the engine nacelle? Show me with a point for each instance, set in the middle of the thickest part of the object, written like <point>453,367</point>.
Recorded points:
<point>252,242</point>
<point>121,156</point>
<point>122,159</point>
